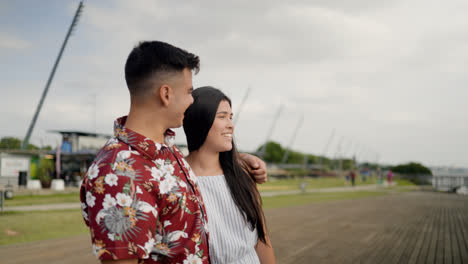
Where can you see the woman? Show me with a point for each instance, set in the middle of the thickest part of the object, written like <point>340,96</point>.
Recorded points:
<point>235,216</point>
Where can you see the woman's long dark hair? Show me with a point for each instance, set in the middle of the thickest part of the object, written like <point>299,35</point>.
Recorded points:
<point>198,120</point>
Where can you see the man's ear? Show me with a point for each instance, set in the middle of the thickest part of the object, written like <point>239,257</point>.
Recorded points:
<point>165,94</point>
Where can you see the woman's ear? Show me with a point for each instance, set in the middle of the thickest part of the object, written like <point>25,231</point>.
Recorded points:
<point>165,94</point>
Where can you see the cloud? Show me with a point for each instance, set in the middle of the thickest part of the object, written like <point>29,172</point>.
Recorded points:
<point>388,74</point>
<point>11,42</point>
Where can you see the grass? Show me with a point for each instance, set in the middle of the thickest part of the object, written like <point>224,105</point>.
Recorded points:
<point>317,183</point>
<point>22,227</point>
<point>402,182</point>
<point>272,185</point>
<point>43,199</point>
<point>306,198</point>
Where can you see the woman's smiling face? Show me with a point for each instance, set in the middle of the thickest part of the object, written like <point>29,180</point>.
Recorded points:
<point>219,137</point>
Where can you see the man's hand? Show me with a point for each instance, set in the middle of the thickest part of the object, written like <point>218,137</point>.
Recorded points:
<point>256,167</point>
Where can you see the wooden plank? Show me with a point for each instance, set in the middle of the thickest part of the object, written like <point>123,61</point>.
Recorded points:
<point>391,243</point>
<point>404,243</point>
<point>380,248</point>
<point>463,234</point>
<point>431,252</point>
<point>448,246</point>
<point>376,250</point>
<point>423,256</point>
<point>439,254</point>
<point>414,236</point>
<point>394,245</point>
<point>455,236</point>
<point>421,243</point>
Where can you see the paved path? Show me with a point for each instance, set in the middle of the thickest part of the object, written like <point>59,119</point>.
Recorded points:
<point>370,187</point>
<point>43,207</point>
<point>412,227</point>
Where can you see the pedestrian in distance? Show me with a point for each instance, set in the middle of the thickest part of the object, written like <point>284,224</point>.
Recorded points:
<point>390,178</point>
<point>352,176</point>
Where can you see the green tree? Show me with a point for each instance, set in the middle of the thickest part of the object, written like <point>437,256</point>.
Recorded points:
<point>324,161</point>
<point>411,168</point>
<point>48,147</point>
<point>15,143</point>
<point>312,159</point>
<point>347,164</point>
<point>33,147</point>
<point>373,166</point>
<point>295,157</point>
<point>273,152</point>
<point>10,143</point>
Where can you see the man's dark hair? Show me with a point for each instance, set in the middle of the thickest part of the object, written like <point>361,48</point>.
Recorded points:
<point>198,120</point>
<point>151,59</point>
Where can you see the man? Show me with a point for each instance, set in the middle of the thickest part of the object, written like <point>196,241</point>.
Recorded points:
<point>352,174</point>
<point>140,198</point>
<point>390,177</point>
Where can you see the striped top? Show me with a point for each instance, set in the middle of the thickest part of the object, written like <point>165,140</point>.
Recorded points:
<point>230,240</point>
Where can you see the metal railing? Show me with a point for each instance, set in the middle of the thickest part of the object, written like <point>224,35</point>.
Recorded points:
<point>449,183</point>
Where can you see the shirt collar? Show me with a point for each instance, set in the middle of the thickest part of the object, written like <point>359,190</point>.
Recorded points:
<point>141,143</point>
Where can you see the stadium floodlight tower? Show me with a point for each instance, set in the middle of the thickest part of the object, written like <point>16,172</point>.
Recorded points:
<point>325,149</point>
<point>241,106</point>
<point>291,142</point>
<point>338,155</point>
<point>270,131</point>
<point>51,76</point>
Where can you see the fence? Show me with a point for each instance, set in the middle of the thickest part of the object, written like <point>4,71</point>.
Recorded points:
<point>449,182</point>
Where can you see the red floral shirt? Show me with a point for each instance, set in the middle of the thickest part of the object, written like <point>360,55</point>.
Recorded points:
<point>141,200</point>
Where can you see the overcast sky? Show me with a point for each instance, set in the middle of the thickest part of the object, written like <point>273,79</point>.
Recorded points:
<point>389,77</point>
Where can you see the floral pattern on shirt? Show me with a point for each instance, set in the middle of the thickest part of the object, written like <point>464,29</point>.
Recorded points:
<point>140,199</point>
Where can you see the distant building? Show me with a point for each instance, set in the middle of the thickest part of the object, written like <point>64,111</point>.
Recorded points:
<point>72,159</point>
<point>17,166</point>
<point>449,178</point>
<point>81,142</point>
<point>77,151</point>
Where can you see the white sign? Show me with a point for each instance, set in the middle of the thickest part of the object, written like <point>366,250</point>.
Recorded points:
<point>12,166</point>
<point>90,143</point>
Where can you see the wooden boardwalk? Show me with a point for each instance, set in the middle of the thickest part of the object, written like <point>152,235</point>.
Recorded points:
<point>415,227</point>
<point>437,234</point>
<point>421,227</point>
